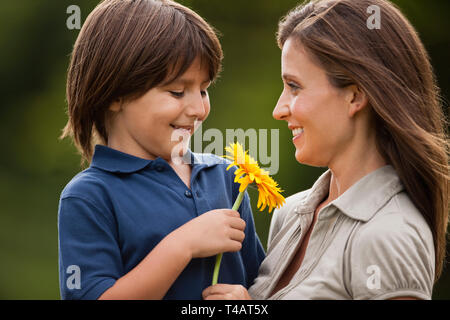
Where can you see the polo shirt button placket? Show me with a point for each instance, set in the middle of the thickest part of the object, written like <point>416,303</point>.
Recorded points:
<point>188,193</point>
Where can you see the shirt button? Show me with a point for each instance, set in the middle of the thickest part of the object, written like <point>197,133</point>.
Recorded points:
<point>159,168</point>
<point>188,194</point>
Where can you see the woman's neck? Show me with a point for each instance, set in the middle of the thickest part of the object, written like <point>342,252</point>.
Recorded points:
<point>358,161</point>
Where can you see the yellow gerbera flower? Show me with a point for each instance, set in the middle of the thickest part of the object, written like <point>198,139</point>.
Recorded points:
<point>269,194</point>
<point>248,172</point>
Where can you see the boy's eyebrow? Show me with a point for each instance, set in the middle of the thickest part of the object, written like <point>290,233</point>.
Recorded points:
<point>187,82</point>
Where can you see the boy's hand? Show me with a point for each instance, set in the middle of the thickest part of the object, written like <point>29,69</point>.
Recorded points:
<point>213,232</point>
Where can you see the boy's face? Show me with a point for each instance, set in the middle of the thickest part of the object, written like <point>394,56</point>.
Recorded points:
<point>161,122</point>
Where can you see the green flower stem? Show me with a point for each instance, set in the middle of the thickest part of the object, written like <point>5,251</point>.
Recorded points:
<point>236,206</point>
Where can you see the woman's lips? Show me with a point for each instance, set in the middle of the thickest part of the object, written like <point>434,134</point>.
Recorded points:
<point>297,133</point>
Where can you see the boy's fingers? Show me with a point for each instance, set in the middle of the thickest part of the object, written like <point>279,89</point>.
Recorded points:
<point>234,246</point>
<point>237,235</point>
<point>232,213</point>
<point>237,223</point>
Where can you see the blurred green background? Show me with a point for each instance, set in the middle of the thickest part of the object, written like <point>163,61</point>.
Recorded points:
<point>35,166</point>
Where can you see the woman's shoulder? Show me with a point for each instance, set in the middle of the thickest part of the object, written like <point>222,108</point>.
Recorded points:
<point>396,230</point>
<point>397,243</point>
<point>399,218</point>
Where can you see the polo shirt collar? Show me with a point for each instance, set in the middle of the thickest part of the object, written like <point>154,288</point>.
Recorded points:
<point>112,160</point>
<point>363,199</point>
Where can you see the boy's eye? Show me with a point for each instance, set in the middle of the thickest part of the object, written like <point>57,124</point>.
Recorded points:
<point>177,94</point>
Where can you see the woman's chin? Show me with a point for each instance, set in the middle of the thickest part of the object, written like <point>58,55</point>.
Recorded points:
<point>299,156</point>
<point>303,158</point>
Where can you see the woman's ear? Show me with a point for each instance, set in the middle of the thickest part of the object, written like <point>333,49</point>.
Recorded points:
<point>357,100</point>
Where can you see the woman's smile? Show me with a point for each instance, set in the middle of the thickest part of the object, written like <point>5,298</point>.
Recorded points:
<point>297,133</point>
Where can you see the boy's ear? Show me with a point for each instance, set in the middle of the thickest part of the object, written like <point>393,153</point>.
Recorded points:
<point>116,106</point>
<point>357,100</point>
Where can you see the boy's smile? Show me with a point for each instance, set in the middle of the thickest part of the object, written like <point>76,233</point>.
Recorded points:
<point>184,128</point>
<point>154,124</point>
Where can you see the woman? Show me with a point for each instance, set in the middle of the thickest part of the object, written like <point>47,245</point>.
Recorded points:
<point>364,103</point>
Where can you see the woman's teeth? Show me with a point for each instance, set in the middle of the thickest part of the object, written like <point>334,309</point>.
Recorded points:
<point>297,131</point>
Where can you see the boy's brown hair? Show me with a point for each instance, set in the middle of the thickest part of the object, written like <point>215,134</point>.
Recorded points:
<point>125,48</point>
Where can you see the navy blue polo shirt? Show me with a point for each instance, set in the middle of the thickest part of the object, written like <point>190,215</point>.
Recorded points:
<point>112,214</point>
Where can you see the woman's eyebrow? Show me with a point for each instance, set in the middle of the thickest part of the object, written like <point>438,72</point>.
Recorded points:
<point>287,77</point>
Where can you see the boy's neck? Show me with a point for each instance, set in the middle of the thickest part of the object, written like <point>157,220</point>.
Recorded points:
<point>183,171</point>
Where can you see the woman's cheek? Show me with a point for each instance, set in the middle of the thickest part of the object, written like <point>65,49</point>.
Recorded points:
<point>298,112</point>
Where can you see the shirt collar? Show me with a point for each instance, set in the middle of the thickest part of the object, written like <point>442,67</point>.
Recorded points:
<point>363,199</point>
<point>112,160</point>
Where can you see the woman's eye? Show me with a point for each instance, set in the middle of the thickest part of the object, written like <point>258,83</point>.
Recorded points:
<point>204,93</point>
<point>177,94</point>
<point>293,87</point>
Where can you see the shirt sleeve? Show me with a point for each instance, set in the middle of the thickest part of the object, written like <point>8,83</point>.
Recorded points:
<point>252,250</point>
<point>89,255</point>
<point>391,259</point>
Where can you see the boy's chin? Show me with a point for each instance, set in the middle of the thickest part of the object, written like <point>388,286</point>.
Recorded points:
<point>177,154</point>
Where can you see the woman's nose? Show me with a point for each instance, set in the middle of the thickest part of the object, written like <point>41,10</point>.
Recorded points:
<point>282,110</point>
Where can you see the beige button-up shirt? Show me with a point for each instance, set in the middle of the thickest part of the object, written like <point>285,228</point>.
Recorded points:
<point>369,243</point>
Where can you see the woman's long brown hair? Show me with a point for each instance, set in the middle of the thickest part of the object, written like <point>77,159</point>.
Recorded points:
<point>392,67</point>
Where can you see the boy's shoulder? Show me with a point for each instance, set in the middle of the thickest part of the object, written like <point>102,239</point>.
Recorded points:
<point>87,182</point>
<point>217,164</point>
<point>216,167</point>
<point>209,159</point>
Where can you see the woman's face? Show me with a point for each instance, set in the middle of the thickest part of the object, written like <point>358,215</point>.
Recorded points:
<point>316,112</point>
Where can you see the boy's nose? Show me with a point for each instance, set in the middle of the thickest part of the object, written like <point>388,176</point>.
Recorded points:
<point>197,107</point>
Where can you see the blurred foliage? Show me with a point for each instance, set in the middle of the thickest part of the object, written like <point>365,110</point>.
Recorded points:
<point>35,165</point>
